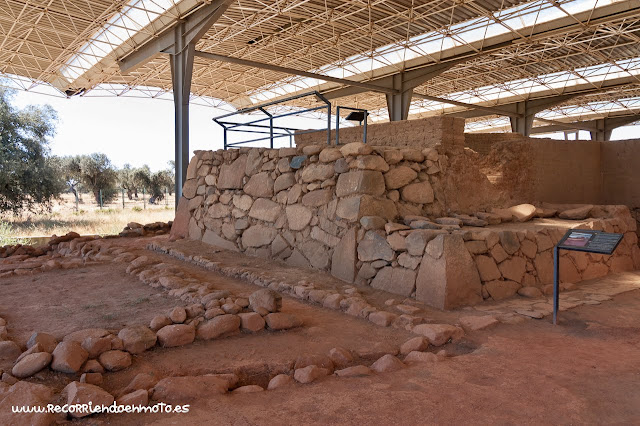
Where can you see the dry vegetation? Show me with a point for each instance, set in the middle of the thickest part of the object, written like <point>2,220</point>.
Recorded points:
<point>89,219</point>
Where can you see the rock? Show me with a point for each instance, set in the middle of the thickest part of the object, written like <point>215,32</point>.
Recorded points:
<point>252,322</point>
<point>419,193</point>
<point>382,318</point>
<point>487,268</point>
<point>356,148</point>
<point>340,357</point>
<point>189,188</point>
<point>387,363</point>
<point>542,212</point>
<point>451,221</point>
<point>298,161</point>
<point>92,378</point>
<point>31,364</point>
<point>509,241</point>
<point>417,241</point>
<point>370,162</point>
<point>178,315</point>
<point>258,236</point>
<point>230,308</point>
<point>282,321</point>
<point>530,313</point>
<point>93,366</point>
<point>219,326</point>
<point>476,247</point>
<point>266,299</point>
<point>374,247</point>
<point>231,175</point>
<point>332,301</point>
<point>415,344</point>
<point>395,280</point>
<point>579,213</point>
<point>135,398</point>
<point>531,292</point>
<point>280,380</point>
<point>46,341</point>
<point>399,177</point>
<point>115,360</point>
<point>260,185</point>
<point>85,393</point>
<point>142,381</point>
<point>372,222</point>
<point>298,217</point>
<point>248,389</point>
<point>475,323</point>
<point>523,212</point>
<point>317,171</point>
<point>186,389</point>
<point>266,210</point>
<point>213,239</point>
<point>176,335</point>
<point>355,371</point>
<point>451,280</point>
<point>317,198</point>
<point>360,182</point>
<point>513,269</point>
<point>343,260</point>
<point>284,181</point>
<point>500,290</point>
<point>310,374</point>
<point>529,249</point>
<point>159,321</point>
<point>329,155</point>
<point>421,357</point>
<point>354,208</point>
<point>68,357</point>
<point>96,345</point>
<point>317,360</point>
<point>438,334</point>
<point>9,350</point>
<point>26,394</point>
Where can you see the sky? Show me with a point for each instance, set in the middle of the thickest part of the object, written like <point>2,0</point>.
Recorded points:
<point>140,131</point>
<point>131,130</point>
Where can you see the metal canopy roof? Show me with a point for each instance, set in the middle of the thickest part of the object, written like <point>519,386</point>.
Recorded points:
<point>502,51</point>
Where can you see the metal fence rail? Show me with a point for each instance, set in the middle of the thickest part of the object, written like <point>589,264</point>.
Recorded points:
<point>265,126</point>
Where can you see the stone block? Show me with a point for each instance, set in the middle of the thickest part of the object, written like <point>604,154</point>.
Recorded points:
<point>360,182</point>
<point>395,280</point>
<point>450,281</point>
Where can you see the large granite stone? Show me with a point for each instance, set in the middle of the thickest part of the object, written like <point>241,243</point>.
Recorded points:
<point>451,279</point>
<point>360,182</point>
<point>231,175</point>
<point>343,261</point>
<point>396,280</point>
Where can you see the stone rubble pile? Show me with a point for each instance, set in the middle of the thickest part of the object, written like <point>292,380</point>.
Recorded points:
<point>134,229</point>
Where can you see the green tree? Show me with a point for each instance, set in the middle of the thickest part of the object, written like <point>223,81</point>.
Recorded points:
<point>28,178</point>
<point>95,172</point>
<point>127,180</point>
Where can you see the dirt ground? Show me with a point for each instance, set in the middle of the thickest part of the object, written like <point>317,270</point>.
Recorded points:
<point>586,370</point>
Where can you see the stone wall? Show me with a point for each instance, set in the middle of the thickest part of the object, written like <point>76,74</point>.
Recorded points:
<point>387,217</point>
<point>423,133</point>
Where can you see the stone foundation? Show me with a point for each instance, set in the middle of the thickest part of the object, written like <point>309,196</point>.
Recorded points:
<point>384,217</point>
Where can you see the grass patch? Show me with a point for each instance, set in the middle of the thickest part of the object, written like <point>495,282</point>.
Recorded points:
<point>88,221</point>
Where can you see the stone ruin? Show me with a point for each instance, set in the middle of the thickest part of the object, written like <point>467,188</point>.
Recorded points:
<point>424,218</point>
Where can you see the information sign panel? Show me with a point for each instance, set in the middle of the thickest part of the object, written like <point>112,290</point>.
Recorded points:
<point>580,240</point>
<point>590,241</point>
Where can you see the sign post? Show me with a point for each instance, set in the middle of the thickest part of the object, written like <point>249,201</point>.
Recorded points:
<point>580,240</point>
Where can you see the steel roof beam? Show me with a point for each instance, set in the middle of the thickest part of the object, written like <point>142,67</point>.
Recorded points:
<point>287,70</point>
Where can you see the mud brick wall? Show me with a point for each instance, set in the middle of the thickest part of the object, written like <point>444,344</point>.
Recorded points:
<point>482,142</point>
<point>620,175</point>
<point>426,132</point>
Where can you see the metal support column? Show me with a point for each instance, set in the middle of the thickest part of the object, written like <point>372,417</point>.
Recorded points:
<point>398,104</point>
<point>556,283</point>
<point>181,74</point>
